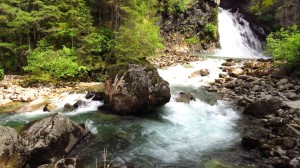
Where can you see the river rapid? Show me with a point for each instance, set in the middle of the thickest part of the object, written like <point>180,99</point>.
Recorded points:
<point>204,133</point>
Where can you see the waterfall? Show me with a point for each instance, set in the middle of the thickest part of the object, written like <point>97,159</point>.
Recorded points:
<point>236,37</point>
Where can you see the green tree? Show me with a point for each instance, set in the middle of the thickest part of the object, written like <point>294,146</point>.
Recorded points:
<point>284,45</point>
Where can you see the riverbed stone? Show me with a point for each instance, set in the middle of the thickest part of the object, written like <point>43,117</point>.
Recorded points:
<point>52,138</point>
<point>49,107</point>
<point>33,106</point>
<point>263,107</point>
<point>249,142</point>
<point>235,72</point>
<point>137,90</point>
<point>202,72</point>
<point>185,97</point>
<point>13,149</point>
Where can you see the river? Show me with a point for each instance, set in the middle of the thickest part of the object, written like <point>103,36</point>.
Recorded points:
<point>203,133</point>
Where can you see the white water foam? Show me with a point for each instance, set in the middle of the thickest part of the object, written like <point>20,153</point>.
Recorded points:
<point>236,36</point>
<point>179,75</point>
<point>188,130</point>
<point>89,106</point>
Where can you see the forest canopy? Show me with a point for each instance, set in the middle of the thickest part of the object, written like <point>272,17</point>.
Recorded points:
<point>37,36</point>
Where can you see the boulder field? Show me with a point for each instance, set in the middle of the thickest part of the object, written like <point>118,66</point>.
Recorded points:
<point>269,98</point>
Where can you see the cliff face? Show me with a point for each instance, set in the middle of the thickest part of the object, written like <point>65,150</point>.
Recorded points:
<point>270,14</point>
<point>192,30</point>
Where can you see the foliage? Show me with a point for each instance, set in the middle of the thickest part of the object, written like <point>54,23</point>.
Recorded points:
<point>174,6</point>
<point>1,73</point>
<point>192,40</point>
<point>285,45</point>
<point>57,64</point>
<point>261,5</point>
<point>139,36</point>
<point>211,29</point>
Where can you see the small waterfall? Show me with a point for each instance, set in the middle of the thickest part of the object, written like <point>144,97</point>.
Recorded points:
<point>236,37</point>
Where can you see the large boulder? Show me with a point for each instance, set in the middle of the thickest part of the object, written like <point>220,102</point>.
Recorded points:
<point>138,90</point>
<point>263,107</point>
<point>52,138</point>
<point>13,149</point>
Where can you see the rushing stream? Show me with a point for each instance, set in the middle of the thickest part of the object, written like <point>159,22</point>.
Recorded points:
<point>176,135</point>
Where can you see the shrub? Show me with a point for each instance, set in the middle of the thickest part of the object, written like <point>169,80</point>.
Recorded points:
<point>284,45</point>
<point>1,73</point>
<point>192,40</point>
<point>211,29</point>
<point>47,63</point>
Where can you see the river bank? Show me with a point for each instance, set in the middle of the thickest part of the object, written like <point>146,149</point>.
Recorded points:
<point>13,95</point>
<point>270,99</point>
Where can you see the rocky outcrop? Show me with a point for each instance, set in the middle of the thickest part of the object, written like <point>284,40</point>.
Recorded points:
<point>52,138</point>
<point>138,90</point>
<point>191,30</point>
<point>13,149</point>
<point>267,14</point>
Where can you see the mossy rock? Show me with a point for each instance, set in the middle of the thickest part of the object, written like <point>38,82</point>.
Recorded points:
<point>11,107</point>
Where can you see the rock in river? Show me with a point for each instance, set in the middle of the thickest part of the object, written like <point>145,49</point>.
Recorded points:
<point>185,97</point>
<point>263,107</point>
<point>13,149</point>
<point>138,90</point>
<point>52,138</point>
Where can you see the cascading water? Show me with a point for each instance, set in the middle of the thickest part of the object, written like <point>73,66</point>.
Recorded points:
<point>236,36</point>
<point>179,135</point>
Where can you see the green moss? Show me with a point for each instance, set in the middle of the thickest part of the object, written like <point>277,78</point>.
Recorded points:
<point>11,107</point>
<point>192,40</point>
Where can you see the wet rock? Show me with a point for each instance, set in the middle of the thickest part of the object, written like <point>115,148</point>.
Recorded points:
<point>64,163</point>
<point>96,96</point>
<point>263,107</point>
<point>79,103</point>
<point>185,97</point>
<point>13,149</point>
<point>228,64</point>
<point>33,106</point>
<point>222,75</point>
<point>202,72</point>
<point>68,107</point>
<point>49,107</point>
<point>249,142</point>
<point>52,138</point>
<point>235,72</point>
<point>138,90</point>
